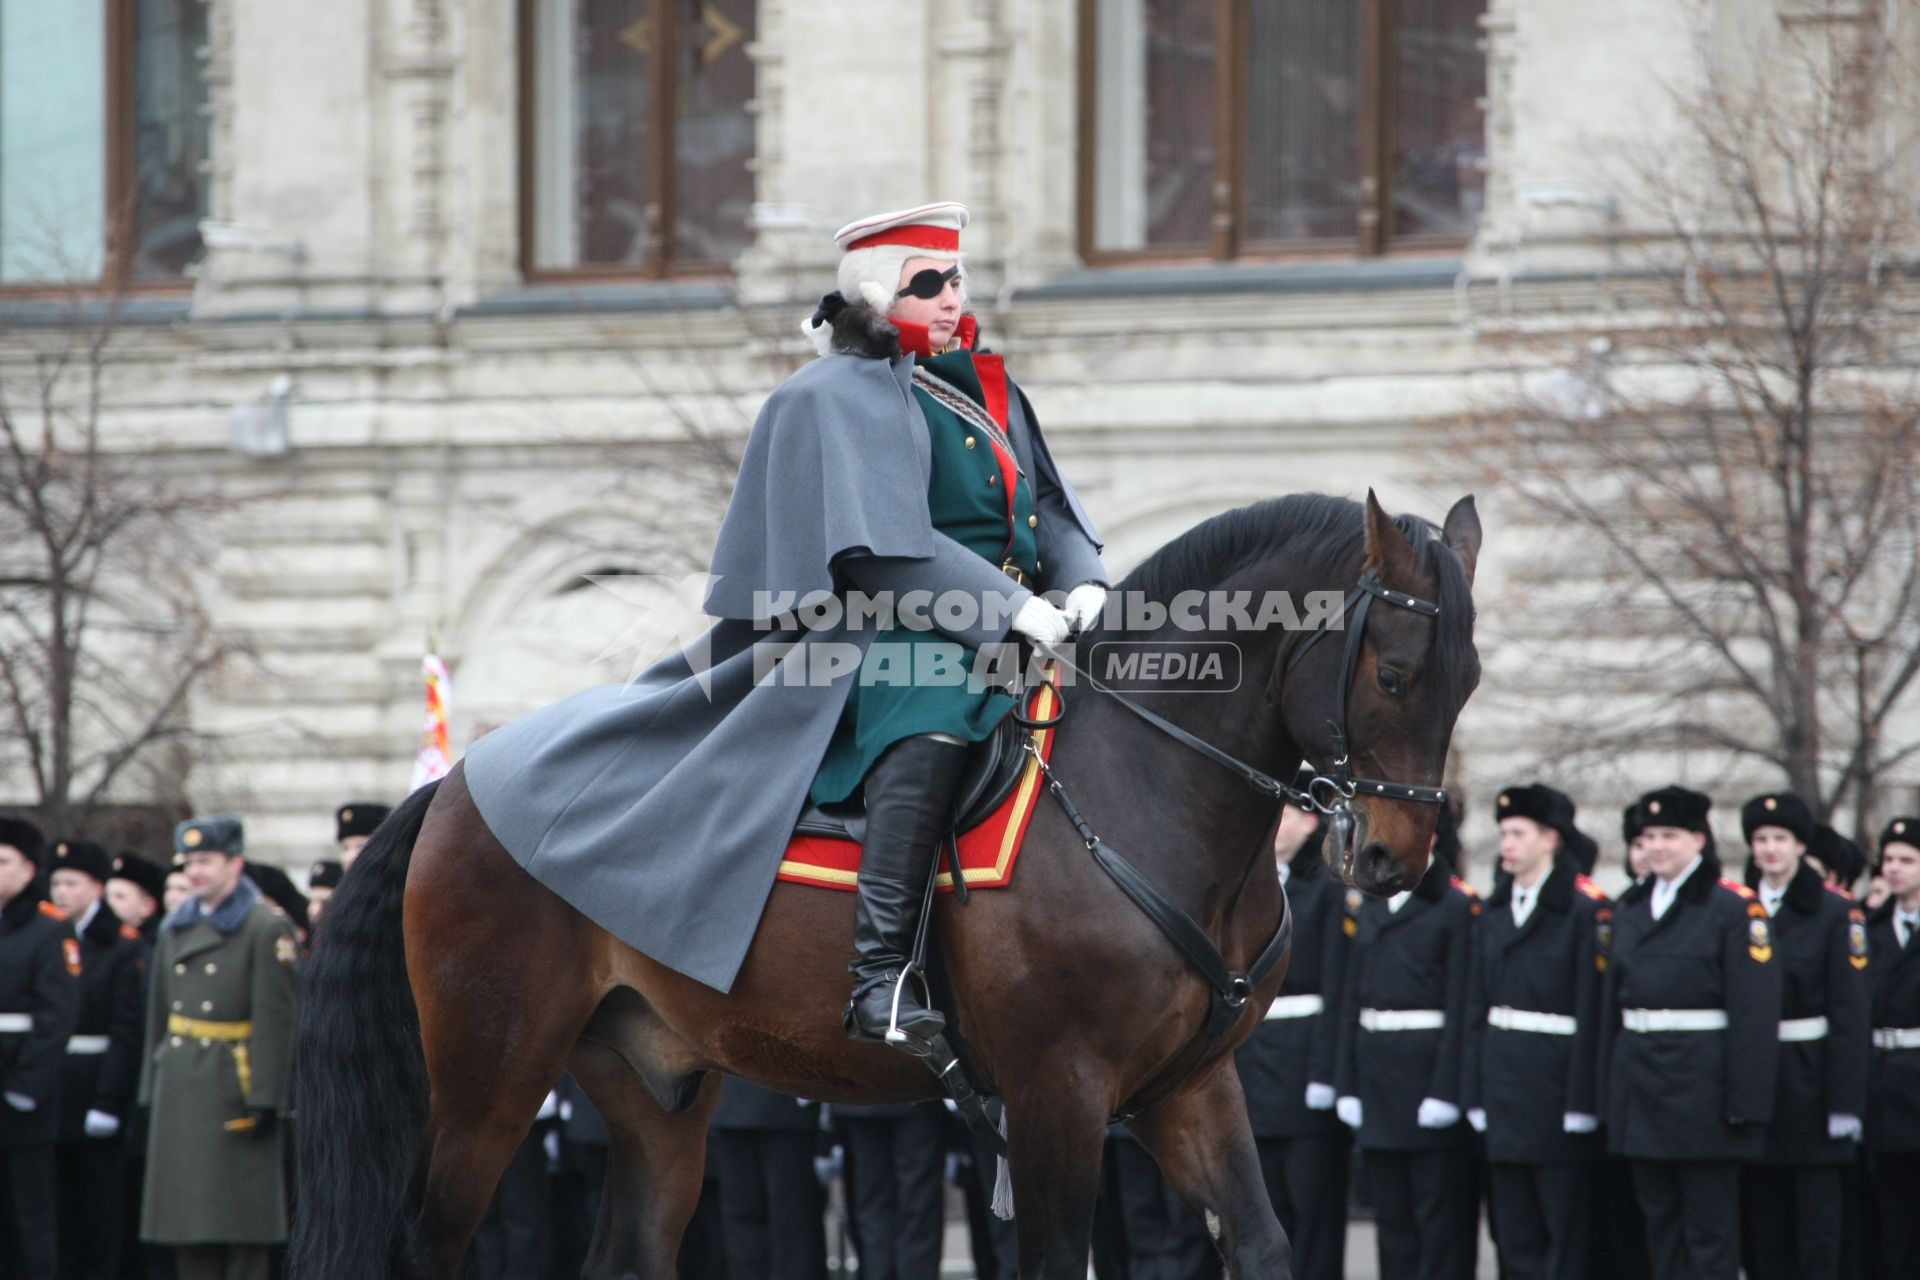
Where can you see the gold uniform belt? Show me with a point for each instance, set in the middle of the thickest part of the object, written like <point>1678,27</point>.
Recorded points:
<point>204,1029</point>
<point>1015,572</point>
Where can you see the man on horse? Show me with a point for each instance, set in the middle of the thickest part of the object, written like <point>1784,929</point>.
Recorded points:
<point>902,295</point>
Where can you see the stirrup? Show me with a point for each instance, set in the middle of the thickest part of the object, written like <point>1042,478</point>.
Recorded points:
<point>896,1038</point>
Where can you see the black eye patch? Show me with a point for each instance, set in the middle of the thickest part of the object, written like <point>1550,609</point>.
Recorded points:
<point>929,283</point>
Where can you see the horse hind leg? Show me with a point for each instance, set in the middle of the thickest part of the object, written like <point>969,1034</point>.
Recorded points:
<point>656,1160</point>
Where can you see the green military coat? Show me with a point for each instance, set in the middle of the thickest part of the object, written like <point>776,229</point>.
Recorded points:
<point>208,1183</point>
<point>911,680</point>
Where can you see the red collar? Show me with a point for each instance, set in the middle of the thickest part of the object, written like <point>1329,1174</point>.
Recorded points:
<point>914,340</point>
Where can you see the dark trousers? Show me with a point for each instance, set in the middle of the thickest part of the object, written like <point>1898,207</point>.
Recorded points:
<point>1896,1193</point>
<point>1306,1177</point>
<point>91,1176</point>
<point>223,1261</point>
<point>1160,1237</point>
<point>772,1205</point>
<point>515,1238</point>
<point>996,1247</point>
<point>1693,1217</point>
<point>1790,1221</point>
<point>1544,1212</point>
<point>1619,1229</point>
<point>895,1191</point>
<point>27,1231</point>
<point>1421,1204</point>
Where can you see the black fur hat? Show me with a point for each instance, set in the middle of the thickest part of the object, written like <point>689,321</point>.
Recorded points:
<point>83,856</point>
<point>1844,860</point>
<point>20,834</point>
<point>1897,831</point>
<point>1781,809</point>
<point>358,818</point>
<point>1676,807</point>
<point>150,876</point>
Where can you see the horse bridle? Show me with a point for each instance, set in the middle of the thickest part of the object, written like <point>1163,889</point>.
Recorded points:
<point>1231,990</point>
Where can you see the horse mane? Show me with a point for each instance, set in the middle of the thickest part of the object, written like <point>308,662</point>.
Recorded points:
<point>1326,536</point>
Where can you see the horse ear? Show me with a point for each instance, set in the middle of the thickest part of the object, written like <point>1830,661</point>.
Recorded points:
<point>1389,554</point>
<point>1462,532</point>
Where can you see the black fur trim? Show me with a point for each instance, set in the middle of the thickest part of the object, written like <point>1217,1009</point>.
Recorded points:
<point>104,929</point>
<point>858,330</point>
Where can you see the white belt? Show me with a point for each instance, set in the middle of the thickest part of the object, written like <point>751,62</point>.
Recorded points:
<point>15,1023</point>
<point>1295,1007</point>
<point>1803,1029</point>
<point>1547,1024</point>
<point>88,1044</point>
<point>1646,1020</point>
<point>1896,1037</point>
<point>1402,1019</point>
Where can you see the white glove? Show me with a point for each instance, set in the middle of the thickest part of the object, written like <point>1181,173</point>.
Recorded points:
<point>99,1124</point>
<point>1319,1097</point>
<point>1040,622</point>
<point>1435,1114</point>
<point>1843,1126</point>
<point>1477,1117</point>
<point>21,1102</point>
<point>1084,603</point>
<point>1348,1109</point>
<point>1580,1122</point>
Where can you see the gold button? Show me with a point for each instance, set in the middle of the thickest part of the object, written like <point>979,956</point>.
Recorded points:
<point>180,968</point>
<point>177,1006</point>
<point>176,1042</point>
<point>992,480</point>
<point>206,1006</point>
<point>212,968</point>
<point>205,1043</point>
<point>970,442</point>
<point>1033,522</point>
<point>1037,566</point>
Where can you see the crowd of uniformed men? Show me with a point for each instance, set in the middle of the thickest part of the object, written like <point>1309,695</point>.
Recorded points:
<point>1702,1076</point>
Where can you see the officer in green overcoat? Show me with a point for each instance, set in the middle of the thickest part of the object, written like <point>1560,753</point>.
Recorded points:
<point>219,1050</point>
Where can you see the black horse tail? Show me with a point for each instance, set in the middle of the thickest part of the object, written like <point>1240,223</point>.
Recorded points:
<point>360,1076</point>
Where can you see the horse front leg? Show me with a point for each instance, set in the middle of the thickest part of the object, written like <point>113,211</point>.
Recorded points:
<point>1056,1124</point>
<point>1204,1144</point>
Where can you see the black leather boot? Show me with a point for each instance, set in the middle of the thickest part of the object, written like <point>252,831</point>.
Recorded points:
<point>910,793</point>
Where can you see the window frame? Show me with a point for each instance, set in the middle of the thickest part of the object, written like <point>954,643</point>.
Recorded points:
<point>1372,232</point>
<point>116,254</point>
<point>662,99</point>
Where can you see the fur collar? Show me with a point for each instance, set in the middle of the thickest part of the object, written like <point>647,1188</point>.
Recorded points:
<point>1433,885</point>
<point>842,328</point>
<point>104,929</point>
<point>24,907</point>
<point>1556,891</point>
<point>225,918</point>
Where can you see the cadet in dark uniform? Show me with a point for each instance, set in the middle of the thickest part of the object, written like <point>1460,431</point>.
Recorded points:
<point>219,1050</point>
<point>1790,1201</point>
<point>1398,1068</point>
<point>322,879</point>
<point>770,1198</point>
<point>1533,1038</point>
<point>1287,1064</point>
<point>39,1006</point>
<point>1893,1102</point>
<point>354,824</point>
<point>1633,825</point>
<point>1690,1040</point>
<point>133,894</point>
<point>896,1193</point>
<point>102,1067</point>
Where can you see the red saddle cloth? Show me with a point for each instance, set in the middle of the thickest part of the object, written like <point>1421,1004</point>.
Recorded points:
<point>987,852</point>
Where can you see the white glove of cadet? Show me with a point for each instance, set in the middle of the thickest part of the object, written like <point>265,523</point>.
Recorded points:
<point>1580,1122</point>
<point>20,1101</point>
<point>1843,1126</point>
<point>1040,622</point>
<point>99,1124</point>
<point>1084,603</point>
<point>1348,1109</point>
<point>1477,1117</point>
<point>1435,1114</point>
<point>1319,1097</point>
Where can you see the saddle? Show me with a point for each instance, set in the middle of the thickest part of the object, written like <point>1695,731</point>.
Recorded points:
<point>993,769</point>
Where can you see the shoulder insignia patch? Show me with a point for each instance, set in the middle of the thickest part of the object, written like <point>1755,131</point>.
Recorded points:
<point>71,946</point>
<point>1836,891</point>
<point>1757,911</point>
<point>1589,888</point>
<point>129,933</point>
<point>1759,939</point>
<point>1857,938</point>
<point>284,950</point>
<point>52,912</point>
<point>1738,888</point>
<point>1464,887</point>
<point>1603,935</point>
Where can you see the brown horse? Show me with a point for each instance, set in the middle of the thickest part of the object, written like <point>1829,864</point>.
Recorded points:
<point>419,1074</point>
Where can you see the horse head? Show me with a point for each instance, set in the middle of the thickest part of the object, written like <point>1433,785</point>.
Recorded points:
<point>1405,679</point>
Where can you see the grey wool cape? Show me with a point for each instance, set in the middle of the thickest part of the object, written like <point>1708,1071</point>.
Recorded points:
<point>660,809</point>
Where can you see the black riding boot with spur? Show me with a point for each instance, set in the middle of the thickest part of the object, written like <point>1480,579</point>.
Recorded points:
<point>910,793</point>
